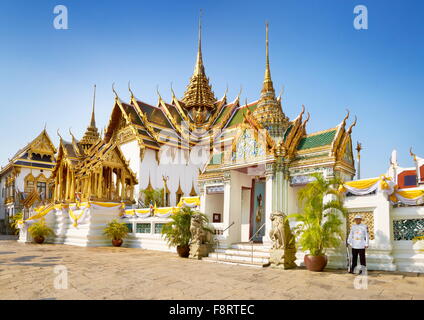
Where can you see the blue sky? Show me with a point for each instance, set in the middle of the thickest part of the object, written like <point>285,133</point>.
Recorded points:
<point>47,75</point>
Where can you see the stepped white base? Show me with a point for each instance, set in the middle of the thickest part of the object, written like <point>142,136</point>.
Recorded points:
<point>89,232</point>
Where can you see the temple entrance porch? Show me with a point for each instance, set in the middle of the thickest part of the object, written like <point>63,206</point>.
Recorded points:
<point>239,205</point>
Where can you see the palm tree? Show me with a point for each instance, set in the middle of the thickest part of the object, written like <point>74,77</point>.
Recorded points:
<point>321,221</point>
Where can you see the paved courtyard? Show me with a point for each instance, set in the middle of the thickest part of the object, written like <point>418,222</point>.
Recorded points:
<point>27,271</point>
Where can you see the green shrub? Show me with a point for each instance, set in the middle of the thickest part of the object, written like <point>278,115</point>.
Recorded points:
<point>13,222</point>
<point>40,229</point>
<point>116,230</point>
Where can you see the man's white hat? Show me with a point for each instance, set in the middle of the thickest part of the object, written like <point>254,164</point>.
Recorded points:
<point>358,216</point>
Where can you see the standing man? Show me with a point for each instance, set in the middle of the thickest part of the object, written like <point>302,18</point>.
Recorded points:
<point>359,240</point>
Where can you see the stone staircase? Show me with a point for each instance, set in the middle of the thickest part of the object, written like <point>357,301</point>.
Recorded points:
<point>241,254</point>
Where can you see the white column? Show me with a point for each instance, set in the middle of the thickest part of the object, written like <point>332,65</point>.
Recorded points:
<point>203,199</point>
<point>269,193</point>
<point>227,208</point>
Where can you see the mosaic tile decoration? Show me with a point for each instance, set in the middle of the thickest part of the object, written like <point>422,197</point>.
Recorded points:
<point>367,218</point>
<point>407,229</point>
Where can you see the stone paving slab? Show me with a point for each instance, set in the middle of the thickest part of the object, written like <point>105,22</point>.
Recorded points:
<point>27,271</point>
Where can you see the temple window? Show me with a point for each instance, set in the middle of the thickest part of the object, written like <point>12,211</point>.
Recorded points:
<point>36,156</point>
<point>158,227</point>
<point>193,192</point>
<point>29,183</point>
<point>179,196</point>
<point>179,193</point>
<point>41,189</point>
<point>143,228</point>
<point>130,227</point>
<point>167,199</point>
<point>410,180</point>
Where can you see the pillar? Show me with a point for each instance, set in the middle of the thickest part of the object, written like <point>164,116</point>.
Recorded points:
<point>269,195</point>
<point>277,192</point>
<point>226,219</point>
<point>100,184</point>
<point>72,191</point>
<point>68,179</point>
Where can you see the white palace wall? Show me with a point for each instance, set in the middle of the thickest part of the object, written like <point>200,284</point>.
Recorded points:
<point>178,171</point>
<point>385,251</point>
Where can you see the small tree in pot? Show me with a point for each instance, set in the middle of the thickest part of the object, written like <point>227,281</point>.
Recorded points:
<point>177,232</point>
<point>39,231</point>
<point>320,223</point>
<point>117,231</point>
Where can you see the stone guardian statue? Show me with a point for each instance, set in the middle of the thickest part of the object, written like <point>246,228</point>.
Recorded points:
<point>283,250</point>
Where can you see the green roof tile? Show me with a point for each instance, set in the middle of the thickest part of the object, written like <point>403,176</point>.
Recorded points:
<point>223,113</point>
<point>318,140</point>
<point>238,117</point>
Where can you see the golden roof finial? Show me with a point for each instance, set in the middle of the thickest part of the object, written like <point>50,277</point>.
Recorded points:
<point>60,137</point>
<point>93,119</point>
<point>114,91</point>
<point>129,89</point>
<point>413,155</point>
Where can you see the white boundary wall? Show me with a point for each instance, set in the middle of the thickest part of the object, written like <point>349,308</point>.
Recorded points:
<point>386,253</point>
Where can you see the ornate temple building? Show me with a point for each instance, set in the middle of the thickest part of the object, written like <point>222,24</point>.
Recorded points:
<point>28,170</point>
<point>92,169</point>
<point>237,163</point>
<point>243,160</point>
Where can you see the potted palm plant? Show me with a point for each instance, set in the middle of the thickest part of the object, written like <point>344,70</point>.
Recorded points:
<point>320,223</point>
<point>177,232</point>
<point>117,231</point>
<point>39,231</point>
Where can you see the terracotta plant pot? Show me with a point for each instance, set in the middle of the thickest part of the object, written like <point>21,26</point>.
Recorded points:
<point>183,251</point>
<point>117,242</point>
<point>315,263</point>
<point>39,239</point>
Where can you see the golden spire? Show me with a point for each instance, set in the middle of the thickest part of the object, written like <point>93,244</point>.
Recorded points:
<point>269,112</point>
<point>93,119</point>
<point>91,135</point>
<point>267,86</point>
<point>199,68</point>
<point>199,92</point>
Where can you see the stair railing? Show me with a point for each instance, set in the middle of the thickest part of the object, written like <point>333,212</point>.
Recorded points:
<point>217,240</point>
<point>251,238</point>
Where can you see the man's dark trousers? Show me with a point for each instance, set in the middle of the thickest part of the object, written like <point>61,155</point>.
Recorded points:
<point>355,253</point>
